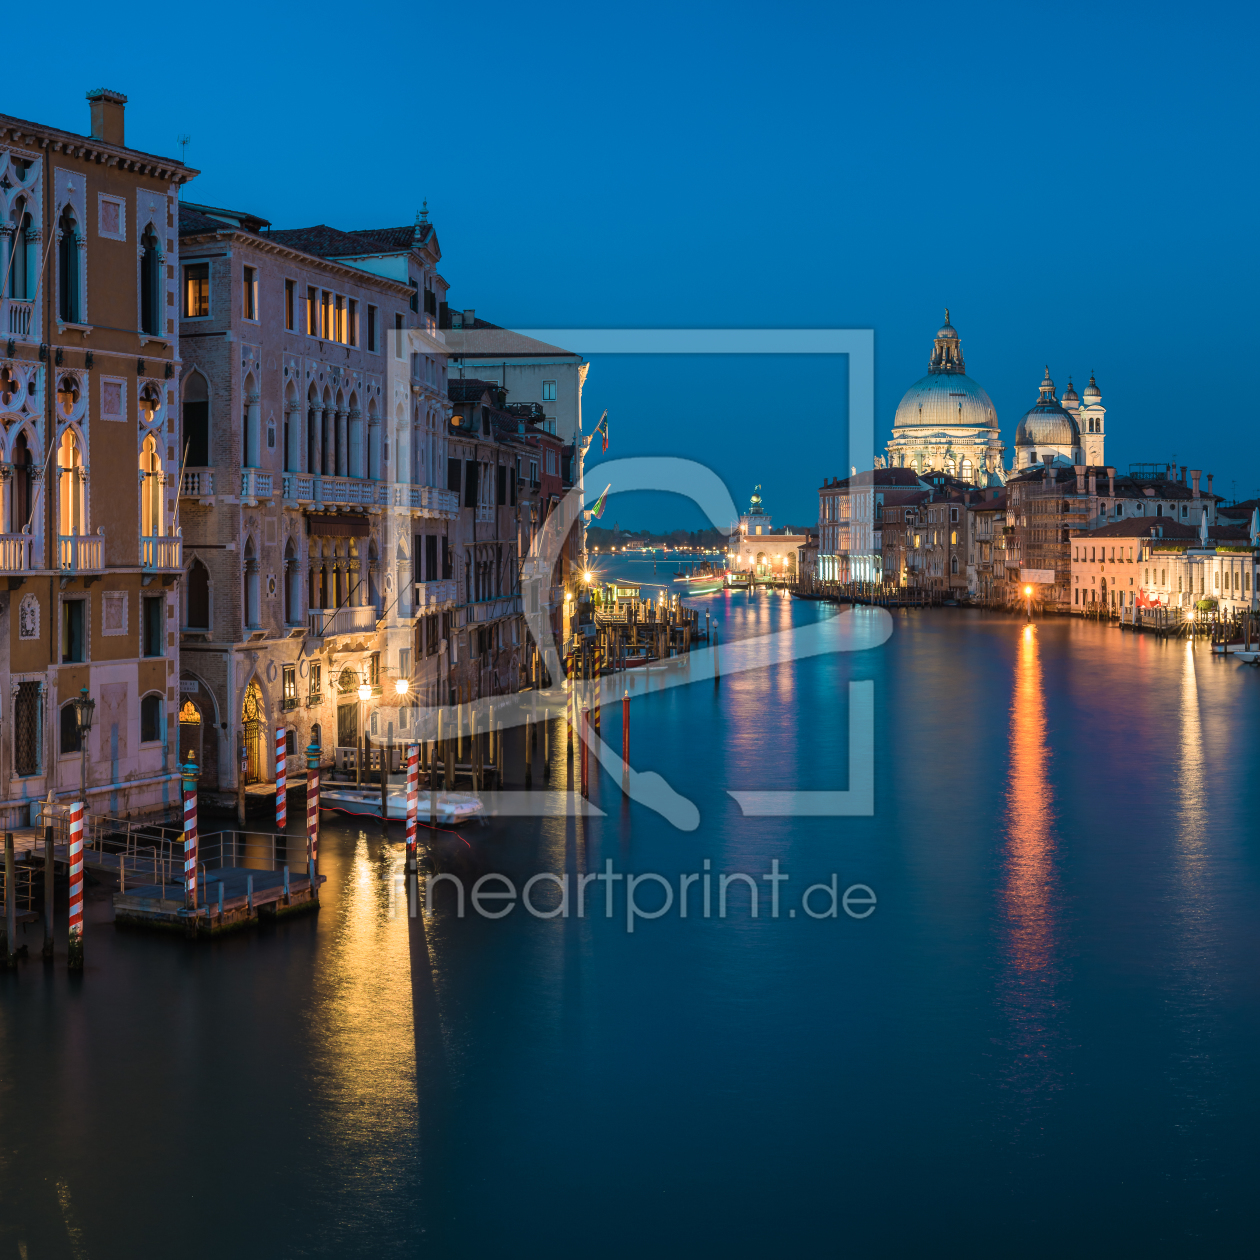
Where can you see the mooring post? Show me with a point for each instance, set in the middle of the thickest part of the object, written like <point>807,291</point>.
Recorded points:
<point>717,665</point>
<point>282,779</point>
<point>385,754</point>
<point>286,890</point>
<point>249,892</point>
<point>625,733</point>
<point>48,877</point>
<point>413,801</point>
<point>546,753</point>
<point>312,812</point>
<point>240,780</point>
<point>10,903</point>
<point>189,773</point>
<point>75,855</point>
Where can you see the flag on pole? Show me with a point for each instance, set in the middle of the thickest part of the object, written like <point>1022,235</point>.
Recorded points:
<point>597,510</point>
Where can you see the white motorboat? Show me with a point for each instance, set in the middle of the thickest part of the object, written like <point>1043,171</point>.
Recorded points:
<point>452,807</point>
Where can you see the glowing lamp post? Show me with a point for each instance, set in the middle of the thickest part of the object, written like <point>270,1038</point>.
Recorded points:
<point>84,710</point>
<point>1028,590</point>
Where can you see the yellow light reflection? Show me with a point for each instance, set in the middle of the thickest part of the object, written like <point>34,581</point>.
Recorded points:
<point>1029,895</point>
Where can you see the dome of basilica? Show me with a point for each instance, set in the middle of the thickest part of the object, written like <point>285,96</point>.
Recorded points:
<point>1046,422</point>
<point>946,399</point>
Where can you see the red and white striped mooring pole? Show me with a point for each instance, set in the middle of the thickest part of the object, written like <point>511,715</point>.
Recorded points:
<point>413,801</point>
<point>312,812</point>
<point>76,886</point>
<point>282,780</point>
<point>189,773</point>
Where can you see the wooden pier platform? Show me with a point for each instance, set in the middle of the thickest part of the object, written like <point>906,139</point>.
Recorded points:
<point>247,896</point>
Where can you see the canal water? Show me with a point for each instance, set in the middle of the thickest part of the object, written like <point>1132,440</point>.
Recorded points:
<point>1042,1040</point>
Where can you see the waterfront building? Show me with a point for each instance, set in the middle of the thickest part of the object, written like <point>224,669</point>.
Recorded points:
<point>88,399</point>
<point>315,428</point>
<point>986,547</point>
<point>530,370</point>
<point>850,520</point>
<point>1164,564</point>
<point>754,548</point>
<point>946,422</point>
<point>925,540</point>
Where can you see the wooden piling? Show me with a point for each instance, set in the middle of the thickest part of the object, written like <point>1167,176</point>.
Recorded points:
<point>49,886</point>
<point>10,904</point>
<point>625,733</point>
<point>717,666</point>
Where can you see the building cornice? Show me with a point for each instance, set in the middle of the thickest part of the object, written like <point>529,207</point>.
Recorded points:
<point>50,139</point>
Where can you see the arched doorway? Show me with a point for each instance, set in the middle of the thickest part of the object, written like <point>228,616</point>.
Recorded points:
<point>190,734</point>
<point>255,745</point>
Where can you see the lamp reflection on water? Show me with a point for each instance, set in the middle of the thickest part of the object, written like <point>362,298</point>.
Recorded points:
<point>1029,895</point>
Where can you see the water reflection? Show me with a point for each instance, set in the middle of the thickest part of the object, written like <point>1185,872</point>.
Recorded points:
<point>365,1049</point>
<point>1031,969</point>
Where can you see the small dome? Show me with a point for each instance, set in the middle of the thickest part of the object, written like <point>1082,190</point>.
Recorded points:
<point>1047,422</point>
<point>1070,394</point>
<point>1092,392</point>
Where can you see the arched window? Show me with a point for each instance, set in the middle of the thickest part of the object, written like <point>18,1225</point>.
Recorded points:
<point>67,396</point>
<point>953,564</point>
<point>317,735</point>
<point>966,470</point>
<point>292,430</point>
<point>374,442</point>
<point>252,611</point>
<point>251,454</point>
<point>70,728</point>
<point>150,284</point>
<point>312,434</point>
<point>197,608</point>
<point>69,305</point>
<point>150,402</point>
<point>196,421</point>
<point>292,585</point>
<point>357,463</point>
<point>23,267</point>
<point>151,719</point>
<point>20,494</point>
<point>70,486</point>
<point>151,514</point>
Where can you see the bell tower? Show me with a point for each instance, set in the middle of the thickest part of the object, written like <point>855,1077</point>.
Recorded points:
<point>1091,416</point>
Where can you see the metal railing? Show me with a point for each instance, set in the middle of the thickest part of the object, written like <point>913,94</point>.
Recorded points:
<point>352,620</point>
<point>197,483</point>
<point>163,552</point>
<point>15,553</point>
<point>81,553</point>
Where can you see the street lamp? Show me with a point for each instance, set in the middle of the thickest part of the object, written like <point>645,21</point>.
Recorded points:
<point>1028,602</point>
<point>84,710</point>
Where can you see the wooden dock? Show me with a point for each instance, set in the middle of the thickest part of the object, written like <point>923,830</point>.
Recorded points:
<point>229,897</point>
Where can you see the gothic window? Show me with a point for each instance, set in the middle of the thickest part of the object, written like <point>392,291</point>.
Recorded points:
<point>27,726</point>
<point>69,301</point>
<point>150,403</point>
<point>150,284</point>
<point>198,596</point>
<point>71,487</point>
<point>70,741</point>
<point>251,586</point>
<point>151,515</point>
<point>67,396</point>
<point>20,494</point>
<point>24,264</point>
<point>197,421</point>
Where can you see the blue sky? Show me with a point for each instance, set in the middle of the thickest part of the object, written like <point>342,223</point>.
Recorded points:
<point>1077,185</point>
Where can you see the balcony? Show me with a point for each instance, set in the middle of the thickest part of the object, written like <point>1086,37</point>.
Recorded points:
<point>15,553</point>
<point>256,484</point>
<point>485,514</point>
<point>197,483</point>
<point>439,500</point>
<point>161,553</point>
<point>434,594</point>
<point>324,622</point>
<point>81,553</point>
<point>20,317</point>
<point>309,488</point>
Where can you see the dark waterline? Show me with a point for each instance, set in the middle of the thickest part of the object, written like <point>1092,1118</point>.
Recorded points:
<point>1043,1041</point>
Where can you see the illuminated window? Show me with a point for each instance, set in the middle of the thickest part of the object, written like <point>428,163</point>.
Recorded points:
<point>197,291</point>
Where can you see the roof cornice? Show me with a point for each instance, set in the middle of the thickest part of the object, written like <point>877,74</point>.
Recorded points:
<point>261,242</point>
<point>51,139</point>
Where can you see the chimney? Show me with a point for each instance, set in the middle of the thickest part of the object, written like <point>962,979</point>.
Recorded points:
<point>107,115</point>
<point>1209,483</point>
<point>1111,482</point>
<point>1195,474</point>
<point>1093,483</point>
<point>1183,474</point>
<point>470,318</point>
<point>1079,470</point>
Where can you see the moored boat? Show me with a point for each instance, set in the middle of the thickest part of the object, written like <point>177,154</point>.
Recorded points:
<point>452,807</point>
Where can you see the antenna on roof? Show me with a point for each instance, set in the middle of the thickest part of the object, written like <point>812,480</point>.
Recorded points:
<point>183,142</point>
